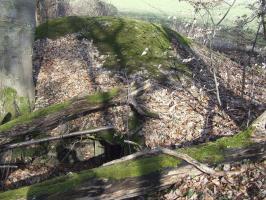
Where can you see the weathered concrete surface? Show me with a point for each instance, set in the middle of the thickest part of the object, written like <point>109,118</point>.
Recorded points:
<point>17,23</point>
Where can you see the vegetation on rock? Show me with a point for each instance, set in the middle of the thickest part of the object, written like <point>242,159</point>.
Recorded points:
<point>122,41</point>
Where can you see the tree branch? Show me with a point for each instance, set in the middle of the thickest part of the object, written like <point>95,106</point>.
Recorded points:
<point>49,139</point>
<point>226,13</point>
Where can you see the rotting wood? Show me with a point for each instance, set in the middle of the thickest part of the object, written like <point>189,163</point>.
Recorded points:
<point>103,187</point>
<point>75,108</point>
<point>130,187</point>
<point>185,157</point>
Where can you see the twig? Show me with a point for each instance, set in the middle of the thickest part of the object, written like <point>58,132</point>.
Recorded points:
<point>133,143</point>
<point>176,154</point>
<point>192,161</point>
<point>226,13</point>
<point>132,101</point>
<point>146,85</point>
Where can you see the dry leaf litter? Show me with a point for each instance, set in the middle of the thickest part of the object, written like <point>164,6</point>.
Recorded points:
<point>68,67</point>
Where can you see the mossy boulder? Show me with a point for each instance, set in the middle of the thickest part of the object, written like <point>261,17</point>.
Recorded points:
<point>131,46</point>
<point>127,46</point>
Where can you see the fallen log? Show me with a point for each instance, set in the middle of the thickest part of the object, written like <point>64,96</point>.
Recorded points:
<point>48,118</point>
<point>178,155</point>
<point>131,178</point>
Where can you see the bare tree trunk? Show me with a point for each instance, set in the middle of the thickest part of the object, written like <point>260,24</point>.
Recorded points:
<point>244,74</point>
<point>17,25</point>
<point>263,11</point>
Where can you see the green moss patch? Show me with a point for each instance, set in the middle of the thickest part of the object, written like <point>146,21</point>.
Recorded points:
<point>136,168</point>
<point>101,97</point>
<point>63,184</point>
<point>213,152</point>
<point>12,105</point>
<point>27,118</point>
<point>122,40</point>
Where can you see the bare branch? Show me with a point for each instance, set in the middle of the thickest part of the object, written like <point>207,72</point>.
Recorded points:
<point>49,139</point>
<point>226,13</point>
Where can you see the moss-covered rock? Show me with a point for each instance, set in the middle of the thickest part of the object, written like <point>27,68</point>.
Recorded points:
<point>123,41</point>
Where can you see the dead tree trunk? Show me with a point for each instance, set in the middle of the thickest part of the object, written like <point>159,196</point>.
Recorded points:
<point>263,11</point>
<point>49,139</point>
<point>48,118</point>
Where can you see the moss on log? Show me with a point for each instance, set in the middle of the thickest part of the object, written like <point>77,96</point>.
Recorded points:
<point>214,152</point>
<point>48,118</point>
<point>78,185</point>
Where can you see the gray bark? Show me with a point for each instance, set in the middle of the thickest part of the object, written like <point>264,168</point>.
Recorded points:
<point>17,24</point>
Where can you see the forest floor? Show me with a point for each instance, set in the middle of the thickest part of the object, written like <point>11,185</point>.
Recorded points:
<point>67,66</point>
<point>244,180</point>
